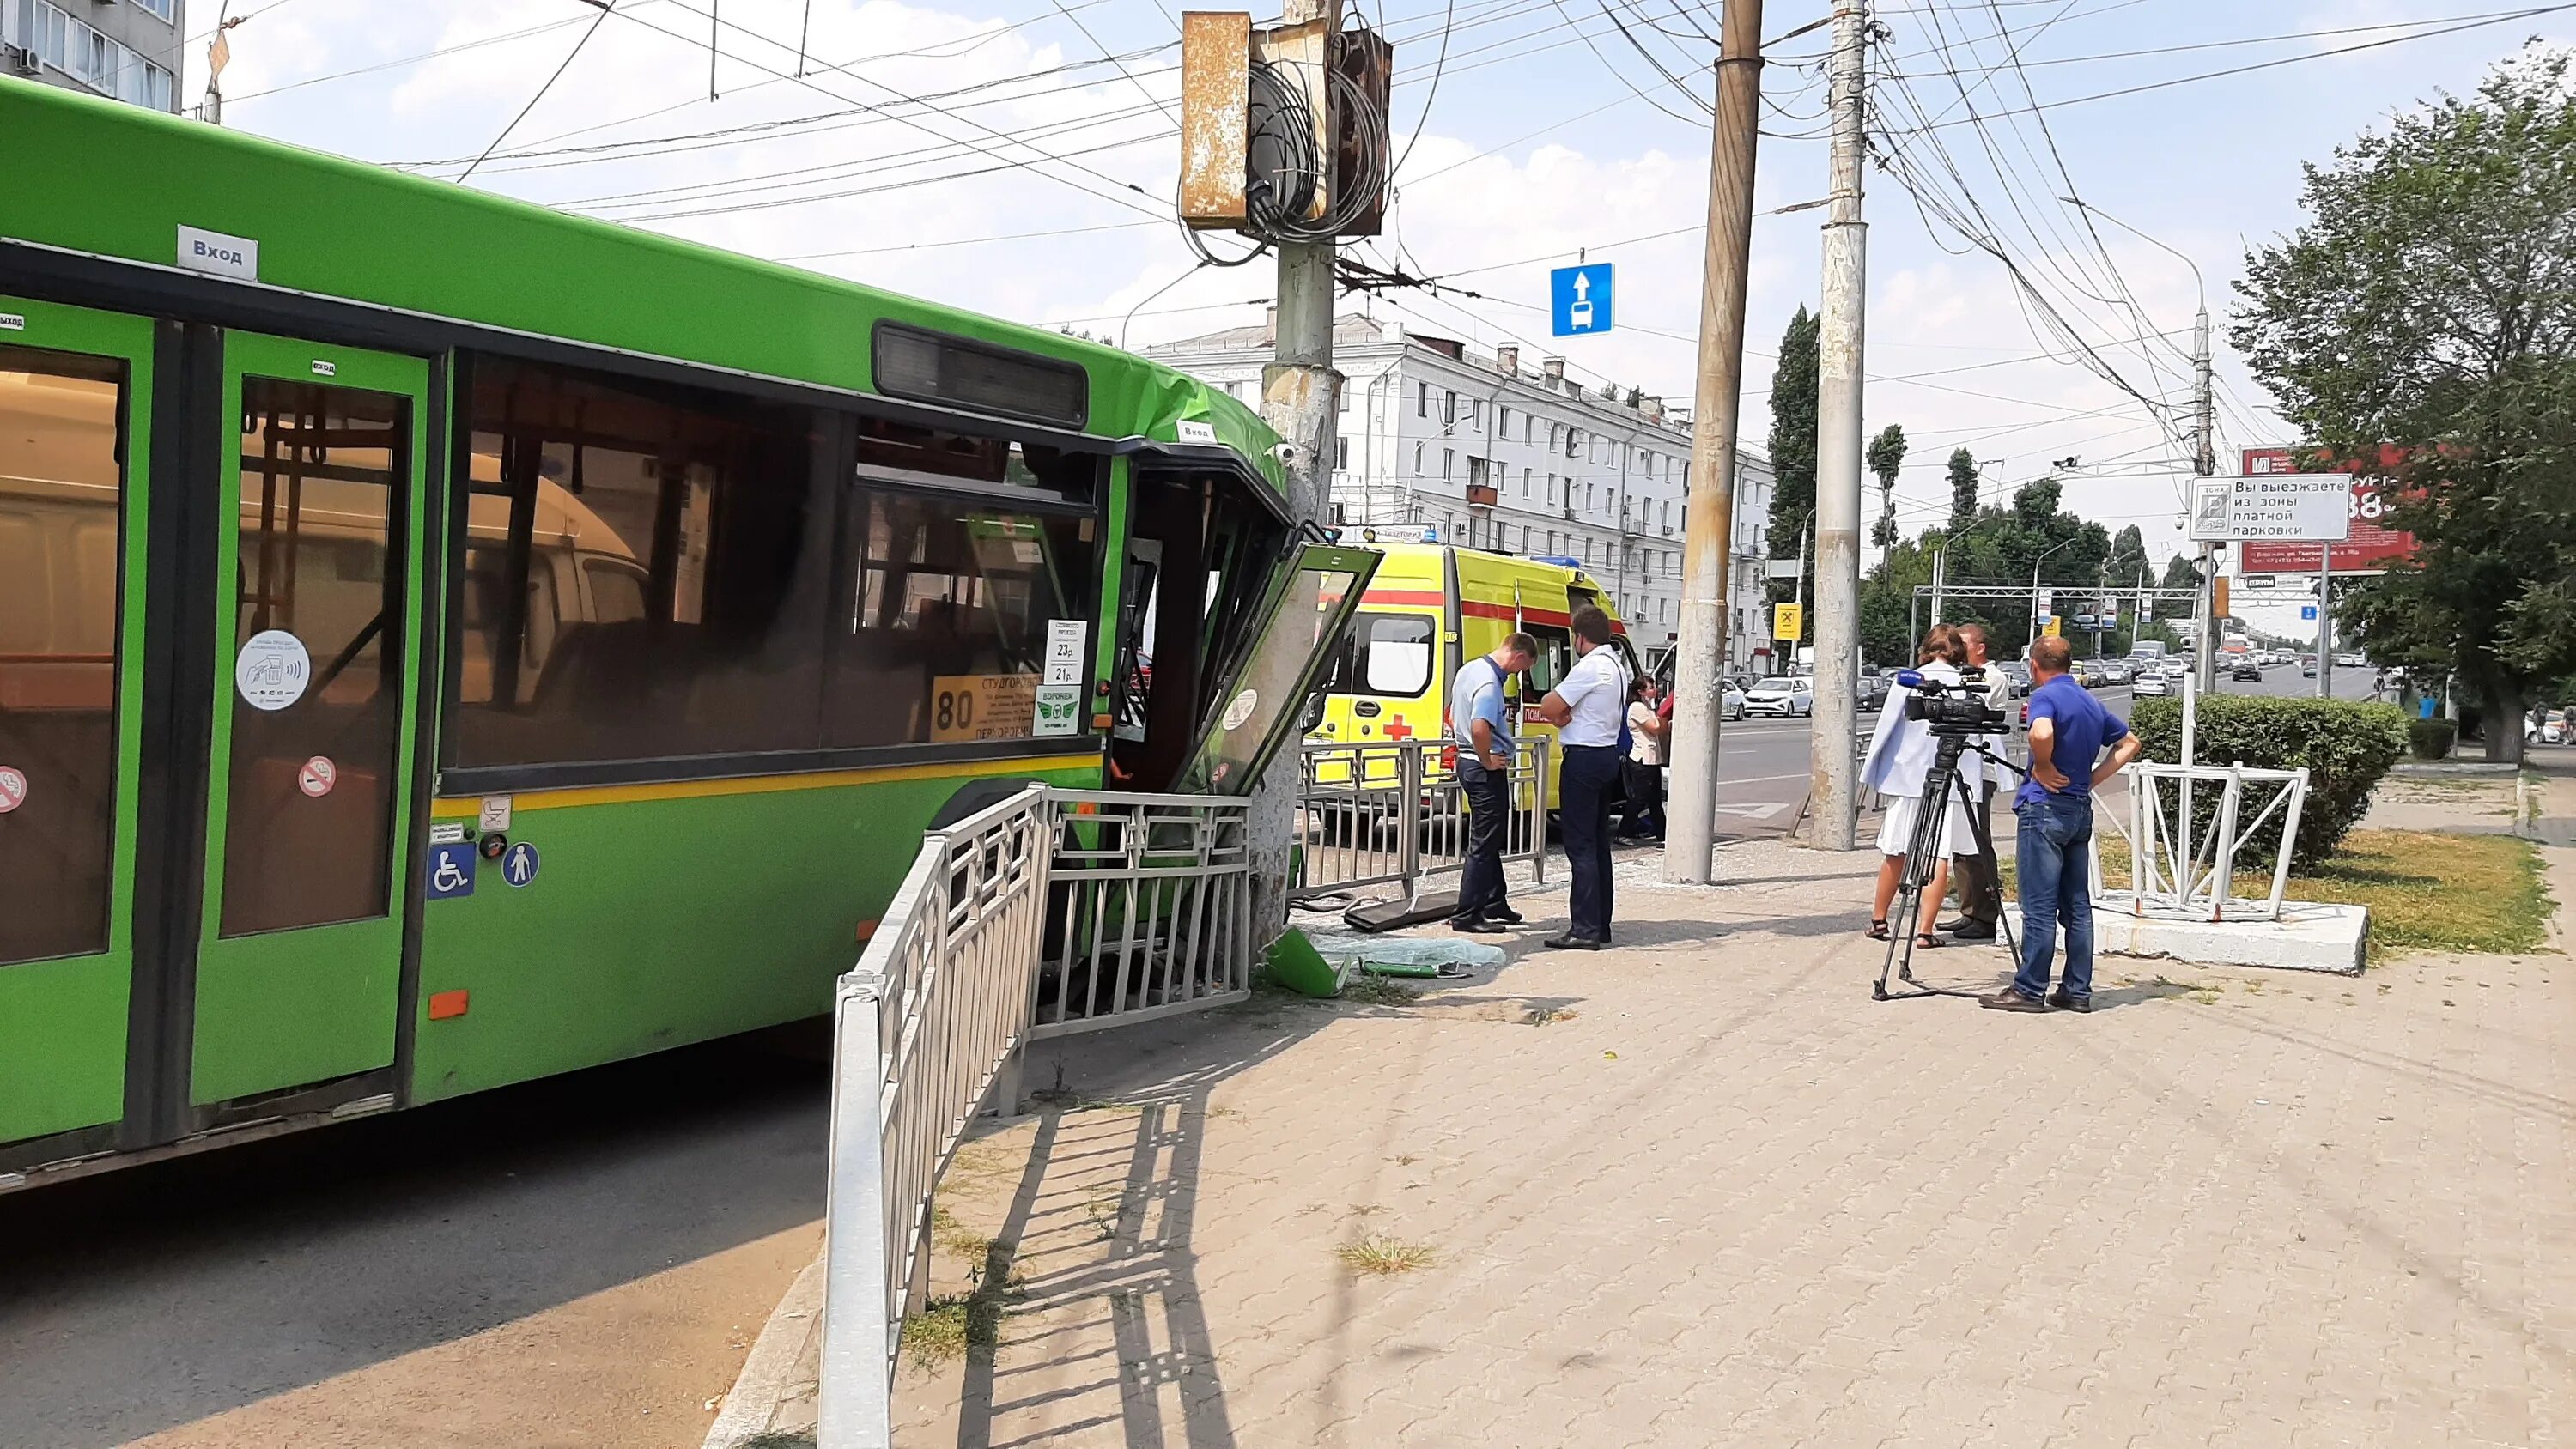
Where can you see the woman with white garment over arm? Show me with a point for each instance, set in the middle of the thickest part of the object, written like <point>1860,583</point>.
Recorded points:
<point>1899,767</point>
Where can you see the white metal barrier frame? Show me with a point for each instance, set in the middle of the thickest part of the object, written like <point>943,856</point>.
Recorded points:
<point>1141,904</point>
<point>2168,876</point>
<point>1394,812</point>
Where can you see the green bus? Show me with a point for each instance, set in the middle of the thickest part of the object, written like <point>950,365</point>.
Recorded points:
<point>444,642</point>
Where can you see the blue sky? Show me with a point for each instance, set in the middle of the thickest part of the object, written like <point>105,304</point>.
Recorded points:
<point>1549,131</point>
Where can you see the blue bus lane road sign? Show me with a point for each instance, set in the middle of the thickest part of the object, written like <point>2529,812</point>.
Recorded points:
<point>450,870</point>
<point>1579,299</point>
<point>519,864</point>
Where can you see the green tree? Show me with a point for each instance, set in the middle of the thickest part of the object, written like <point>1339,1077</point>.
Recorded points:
<point>2179,574</point>
<point>2422,323</point>
<point>1889,615</point>
<point>1963,488</point>
<point>2129,566</point>
<point>1886,454</point>
<point>1793,445</point>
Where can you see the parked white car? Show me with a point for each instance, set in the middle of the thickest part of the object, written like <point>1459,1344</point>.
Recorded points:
<point>1732,706</point>
<point>1787,697</point>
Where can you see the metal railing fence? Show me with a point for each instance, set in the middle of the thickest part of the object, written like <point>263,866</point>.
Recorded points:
<point>1394,812</point>
<point>1149,909</point>
<point>1054,911</point>
<point>925,1027</point>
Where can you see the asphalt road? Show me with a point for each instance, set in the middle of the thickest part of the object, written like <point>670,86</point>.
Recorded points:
<point>575,1262</point>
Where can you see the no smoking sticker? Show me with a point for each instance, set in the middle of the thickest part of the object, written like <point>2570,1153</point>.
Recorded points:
<point>317,777</point>
<point>13,788</point>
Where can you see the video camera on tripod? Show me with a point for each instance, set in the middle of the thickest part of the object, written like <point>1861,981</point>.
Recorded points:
<point>1958,718</point>
<point>1955,710</point>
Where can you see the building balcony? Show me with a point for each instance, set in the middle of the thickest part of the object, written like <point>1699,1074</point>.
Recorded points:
<point>1482,495</point>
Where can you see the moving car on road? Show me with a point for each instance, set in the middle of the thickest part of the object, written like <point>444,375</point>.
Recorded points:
<point>2150,681</point>
<point>1788,696</point>
<point>2247,669</point>
<point>2116,672</point>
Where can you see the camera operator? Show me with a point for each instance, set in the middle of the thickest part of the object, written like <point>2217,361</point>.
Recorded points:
<point>2068,730</point>
<point>1981,903</point>
<point>1899,767</point>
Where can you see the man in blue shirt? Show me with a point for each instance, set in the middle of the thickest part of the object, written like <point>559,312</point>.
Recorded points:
<point>1480,726</point>
<point>2068,730</point>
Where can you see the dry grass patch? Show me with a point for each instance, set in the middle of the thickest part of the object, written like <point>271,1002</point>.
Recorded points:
<point>1382,1256</point>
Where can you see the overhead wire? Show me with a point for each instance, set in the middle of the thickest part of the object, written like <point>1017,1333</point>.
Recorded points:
<point>606,8</point>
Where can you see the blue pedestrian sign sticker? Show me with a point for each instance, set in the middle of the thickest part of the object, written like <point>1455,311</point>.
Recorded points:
<point>451,870</point>
<point>2308,612</point>
<point>519,864</point>
<point>1579,299</point>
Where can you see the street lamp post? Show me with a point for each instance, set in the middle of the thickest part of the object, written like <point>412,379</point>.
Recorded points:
<point>2204,447</point>
<point>2034,590</point>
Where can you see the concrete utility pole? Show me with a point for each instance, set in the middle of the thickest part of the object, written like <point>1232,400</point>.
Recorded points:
<point>1298,389</point>
<point>2205,464</point>
<point>1691,820</point>
<point>1832,763</point>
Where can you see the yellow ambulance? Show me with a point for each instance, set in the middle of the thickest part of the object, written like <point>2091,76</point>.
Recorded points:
<point>1430,609</point>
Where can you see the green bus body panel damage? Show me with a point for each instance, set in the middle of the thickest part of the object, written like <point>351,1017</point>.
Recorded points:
<point>98,176</point>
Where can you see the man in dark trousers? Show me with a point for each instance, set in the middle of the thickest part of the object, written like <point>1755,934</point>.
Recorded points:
<point>1981,901</point>
<point>1480,726</point>
<point>2068,730</point>
<point>1586,707</point>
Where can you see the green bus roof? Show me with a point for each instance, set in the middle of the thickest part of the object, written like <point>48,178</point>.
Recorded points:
<point>96,176</point>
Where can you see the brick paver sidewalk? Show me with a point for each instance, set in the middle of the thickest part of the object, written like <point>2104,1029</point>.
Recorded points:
<point>1700,1190</point>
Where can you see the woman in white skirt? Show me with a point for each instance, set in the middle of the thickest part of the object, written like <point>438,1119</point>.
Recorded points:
<point>1900,760</point>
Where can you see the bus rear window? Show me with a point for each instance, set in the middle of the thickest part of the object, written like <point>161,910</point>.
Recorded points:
<point>1385,655</point>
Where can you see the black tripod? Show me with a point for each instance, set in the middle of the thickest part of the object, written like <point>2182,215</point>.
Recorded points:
<point>1923,851</point>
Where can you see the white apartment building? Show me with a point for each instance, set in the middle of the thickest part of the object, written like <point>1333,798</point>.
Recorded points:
<point>1499,456</point>
<point>125,49</point>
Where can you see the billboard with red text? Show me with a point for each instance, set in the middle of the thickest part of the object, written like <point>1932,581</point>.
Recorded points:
<point>2366,549</point>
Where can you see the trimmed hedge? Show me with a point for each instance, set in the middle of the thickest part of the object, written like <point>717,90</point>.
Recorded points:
<point>2430,739</point>
<point>2347,747</point>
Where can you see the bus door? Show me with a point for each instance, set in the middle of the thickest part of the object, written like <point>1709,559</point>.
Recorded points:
<point>1303,614</point>
<point>317,522</point>
<point>76,390</point>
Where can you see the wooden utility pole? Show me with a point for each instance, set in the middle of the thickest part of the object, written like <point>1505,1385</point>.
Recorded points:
<point>1699,669</point>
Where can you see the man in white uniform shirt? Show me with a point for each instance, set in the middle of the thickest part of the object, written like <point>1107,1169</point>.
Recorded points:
<point>1586,707</point>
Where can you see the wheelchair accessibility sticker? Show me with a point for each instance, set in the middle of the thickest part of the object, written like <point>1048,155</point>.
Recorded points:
<point>451,870</point>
